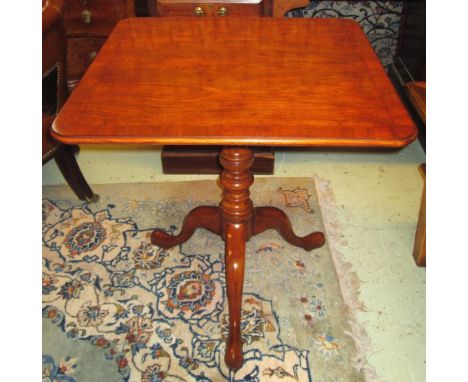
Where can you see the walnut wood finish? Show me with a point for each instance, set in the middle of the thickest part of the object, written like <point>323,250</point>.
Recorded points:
<point>236,81</point>
<point>236,220</point>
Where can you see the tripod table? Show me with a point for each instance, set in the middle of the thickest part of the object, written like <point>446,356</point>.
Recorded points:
<point>237,83</point>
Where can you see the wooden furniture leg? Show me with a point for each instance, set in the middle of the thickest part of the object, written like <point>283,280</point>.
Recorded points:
<point>235,260</point>
<point>419,250</point>
<point>236,220</point>
<point>200,217</point>
<point>273,218</point>
<point>66,162</point>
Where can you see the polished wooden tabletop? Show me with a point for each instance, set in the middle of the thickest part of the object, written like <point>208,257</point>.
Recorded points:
<point>236,81</point>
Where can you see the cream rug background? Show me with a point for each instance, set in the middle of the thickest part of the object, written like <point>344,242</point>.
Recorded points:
<point>161,315</point>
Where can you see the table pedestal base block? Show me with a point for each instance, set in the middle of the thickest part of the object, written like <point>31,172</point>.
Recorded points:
<point>204,160</point>
<point>236,220</point>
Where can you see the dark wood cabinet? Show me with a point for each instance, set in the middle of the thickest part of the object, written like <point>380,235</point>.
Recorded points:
<point>88,24</point>
<point>223,8</point>
<point>210,8</point>
<point>81,52</point>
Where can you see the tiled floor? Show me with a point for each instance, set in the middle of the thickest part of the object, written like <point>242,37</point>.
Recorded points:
<point>377,201</point>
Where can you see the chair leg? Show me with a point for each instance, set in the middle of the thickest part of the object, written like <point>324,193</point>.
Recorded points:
<point>419,251</point>
<point>66,161</point>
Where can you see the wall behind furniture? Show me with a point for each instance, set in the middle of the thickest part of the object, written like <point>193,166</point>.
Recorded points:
<point>380,20</point>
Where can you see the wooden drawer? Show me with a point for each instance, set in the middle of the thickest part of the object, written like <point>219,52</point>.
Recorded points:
<point>81,51</point>
<point>94,17</point>
<point>210,8</point>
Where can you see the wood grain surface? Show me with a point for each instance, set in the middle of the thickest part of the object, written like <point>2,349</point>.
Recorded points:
<point>236,81</point>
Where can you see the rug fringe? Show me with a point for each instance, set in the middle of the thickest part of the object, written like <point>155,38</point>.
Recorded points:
<point>347,279</point>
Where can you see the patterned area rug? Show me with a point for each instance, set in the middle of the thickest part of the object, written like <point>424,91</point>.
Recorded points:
<point>116,308</point>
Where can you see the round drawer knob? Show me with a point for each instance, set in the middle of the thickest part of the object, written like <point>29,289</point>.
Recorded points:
<point>86,16</point>
<point>198,11</point>
<point>223,11</point>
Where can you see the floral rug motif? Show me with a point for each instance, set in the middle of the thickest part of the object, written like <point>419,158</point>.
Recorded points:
<point>161,315</point>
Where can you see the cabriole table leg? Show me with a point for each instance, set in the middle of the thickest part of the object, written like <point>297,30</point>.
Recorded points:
<point>237,215</point>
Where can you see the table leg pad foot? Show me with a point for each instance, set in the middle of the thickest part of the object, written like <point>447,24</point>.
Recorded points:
<point>233,358</point>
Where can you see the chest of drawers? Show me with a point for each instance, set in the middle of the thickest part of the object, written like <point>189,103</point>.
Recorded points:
<point>88,24</point>
<point>210,8</point>
<point>273,8</point>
